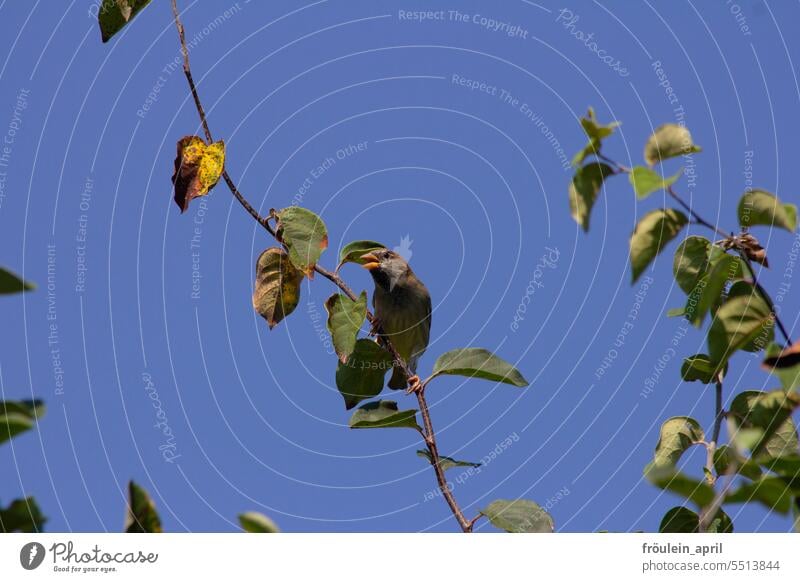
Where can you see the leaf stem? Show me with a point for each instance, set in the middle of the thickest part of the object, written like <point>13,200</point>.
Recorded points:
<point>429,436</point>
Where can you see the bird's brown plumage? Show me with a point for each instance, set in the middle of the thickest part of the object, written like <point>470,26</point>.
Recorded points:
<point>403,308</point>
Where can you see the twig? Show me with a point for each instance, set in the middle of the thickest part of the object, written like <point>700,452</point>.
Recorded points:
<point>620,169</point>
<point>428,435</point>
<point>719,415</point>
<point>695,215</point>
<point>430,442</point>
<point>474,521</point>
<point>707,514</point>
<point>187,70</point>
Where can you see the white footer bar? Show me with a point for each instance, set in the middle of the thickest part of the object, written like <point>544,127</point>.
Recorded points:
<point>401,557</point>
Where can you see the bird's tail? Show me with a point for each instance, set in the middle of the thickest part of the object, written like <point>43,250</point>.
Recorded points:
<point>398,381</point>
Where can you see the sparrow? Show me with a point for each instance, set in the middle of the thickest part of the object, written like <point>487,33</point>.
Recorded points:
<point>402,310</point>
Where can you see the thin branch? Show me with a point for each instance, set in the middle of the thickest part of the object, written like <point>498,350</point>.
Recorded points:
<point>694,214</point>
<point>620,169</point>
<point>708,513</point>
<point>187,70</point>
<point>429,436</point>
<point>719,415</point>
<point>430,442</point>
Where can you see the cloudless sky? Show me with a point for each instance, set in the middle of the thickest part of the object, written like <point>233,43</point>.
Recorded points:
<point>367,118</point>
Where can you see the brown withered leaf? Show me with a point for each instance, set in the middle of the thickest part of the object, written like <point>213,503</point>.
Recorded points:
<point>277,287</point>
<point>198,168</point>
<point>786,358</point>
<point>753,249</point>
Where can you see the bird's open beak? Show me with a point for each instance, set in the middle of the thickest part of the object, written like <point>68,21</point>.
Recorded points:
<point>370,261</point>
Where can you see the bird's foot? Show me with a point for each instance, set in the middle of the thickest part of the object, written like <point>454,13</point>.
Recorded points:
<point>414,385</point>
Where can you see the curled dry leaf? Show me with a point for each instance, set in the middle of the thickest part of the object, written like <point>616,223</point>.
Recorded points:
<point>749,245</point>
<point>753,249</point>
<point>277,287</point>
<point>786,358</point>
<point>198,168</point>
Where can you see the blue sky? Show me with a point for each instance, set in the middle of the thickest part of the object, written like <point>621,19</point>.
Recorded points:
<point>366,116</point>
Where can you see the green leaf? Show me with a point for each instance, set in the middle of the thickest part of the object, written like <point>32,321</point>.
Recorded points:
<point>676,312</point>
<point>684,520</point>
<point>277,287</point>
<point>786,466</point>
<point>447,462</point>
<point>198,168</point>
<point>651,235</point>
<point>596,133</point>
<point>669,478</point>
<point>142,516</point>
<point>519,516</point>
<point>691,262</point>
<point>765,419</point>
<point>707,295</point>
<point>254,522</point>
<point>700,368</point>
<point>727,461</point>
<point>584,189</point>
<point>591,148</point>
<point>383,414</point>
<point>115,14</point>
<point>770,491</point>
<point>345,318</point>
<point>23,515</point>
<point>362,376</point>
<point>721,523</point>
<point>760,207</point>
<point>788,469</point>
<point>17,417</point>
<point>352,252</point>
<point>305,235</point>
<point>677,435</point>
<point>595,130</point>
<point>10,283</point>
<point>478,363</point>
<point>680,520</point>
<point>743,322</point>
<point>645,181</point>
<point>668,141</point>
